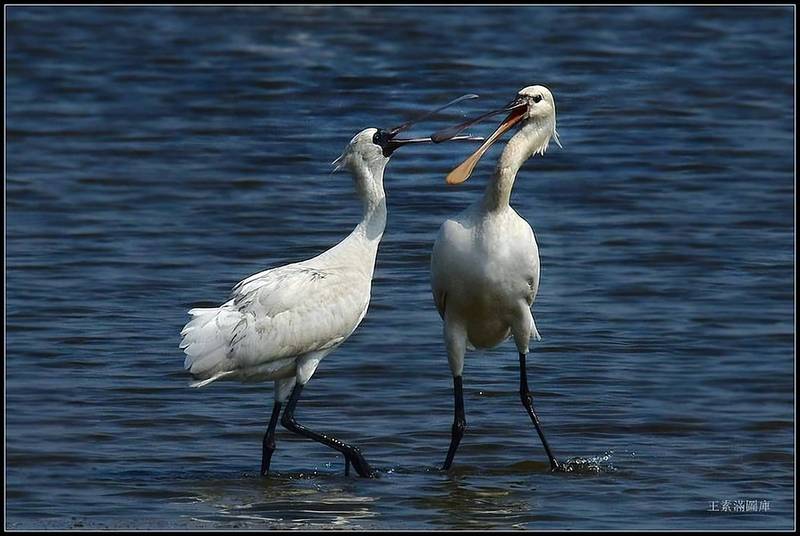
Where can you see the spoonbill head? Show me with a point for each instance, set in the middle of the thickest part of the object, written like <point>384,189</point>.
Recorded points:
<point>533,109</point>
<point>369,151</point>
<point>372,147</point>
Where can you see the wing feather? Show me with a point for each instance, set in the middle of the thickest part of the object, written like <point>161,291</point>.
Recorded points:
<point>284,312</point>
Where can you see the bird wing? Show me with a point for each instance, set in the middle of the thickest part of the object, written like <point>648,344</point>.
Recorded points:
<point>279,313</point>
<point>440,257</point>
<point>534,268</point>
<point>296,309</point>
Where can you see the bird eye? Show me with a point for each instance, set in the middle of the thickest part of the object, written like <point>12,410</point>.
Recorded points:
<point>537,98</point>
<point>379,138</point>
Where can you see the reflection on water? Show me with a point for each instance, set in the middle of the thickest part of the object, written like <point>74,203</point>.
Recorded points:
<point>285,501</point>
<point>466,497</point>
<point>461,504</point>
<point>282,501</point>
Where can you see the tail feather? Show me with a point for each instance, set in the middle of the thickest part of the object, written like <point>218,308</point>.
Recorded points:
<point>217,376</point>
<point>200,348</point>
<point>534,331</point>
<point>201,318</point>
<point>203,364</point>
<point>206,341</point>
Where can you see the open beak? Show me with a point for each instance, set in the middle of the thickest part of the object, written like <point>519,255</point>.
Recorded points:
<point>517,110</point>
<point>394,131</point>
<point>392,145</point>
<point>389,142</point>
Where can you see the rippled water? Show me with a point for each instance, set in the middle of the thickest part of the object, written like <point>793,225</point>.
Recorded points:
<point>156,156</point>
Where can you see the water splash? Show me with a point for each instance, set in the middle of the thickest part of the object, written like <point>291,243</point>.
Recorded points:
<point>594,465</point>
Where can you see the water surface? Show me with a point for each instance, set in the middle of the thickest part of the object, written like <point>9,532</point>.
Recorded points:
<point>156,156</point>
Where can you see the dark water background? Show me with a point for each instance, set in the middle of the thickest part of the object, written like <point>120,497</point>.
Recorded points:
<point>156,156</point>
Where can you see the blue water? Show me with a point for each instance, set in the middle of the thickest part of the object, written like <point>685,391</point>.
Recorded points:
<point>158,155</point>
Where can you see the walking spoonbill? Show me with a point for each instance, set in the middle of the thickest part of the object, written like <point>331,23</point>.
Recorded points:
<point>280,323</point>
<point>485,261</point>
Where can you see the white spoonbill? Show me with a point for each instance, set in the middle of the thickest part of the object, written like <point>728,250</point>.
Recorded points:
<point>485,262</point>
<point>278,324</point>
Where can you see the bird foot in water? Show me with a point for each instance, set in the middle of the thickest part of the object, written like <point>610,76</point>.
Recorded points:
<point>360,465</point>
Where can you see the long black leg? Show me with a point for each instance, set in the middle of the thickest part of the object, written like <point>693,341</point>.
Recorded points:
<point>459,422</point>
<point>351,454</point>
<point>527,401</point>
<point>268,444</point>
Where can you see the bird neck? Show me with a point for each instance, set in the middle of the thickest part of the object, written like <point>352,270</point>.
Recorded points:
<point>532,138</point>
<point>369,184</point>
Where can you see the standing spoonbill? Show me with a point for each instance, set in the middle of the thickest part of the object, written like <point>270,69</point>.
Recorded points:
<point>278,324</point>
<point>485,262</point>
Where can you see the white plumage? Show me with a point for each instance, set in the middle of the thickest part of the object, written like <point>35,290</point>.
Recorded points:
<point>485,276</point>
<point>485,261</point>
<point>276,317</point>
<point>278,324</point>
